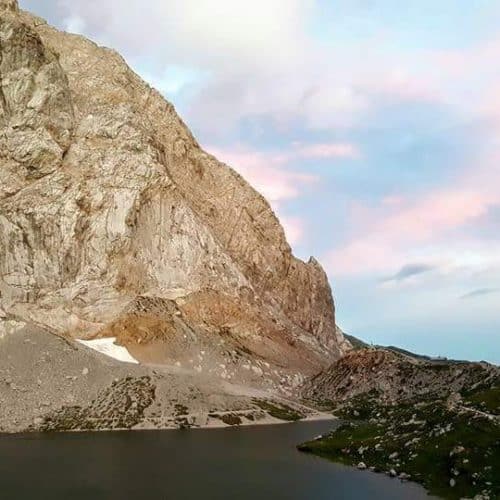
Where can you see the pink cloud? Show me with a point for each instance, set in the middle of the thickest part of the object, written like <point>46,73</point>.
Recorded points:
<point>461,62</point>
<point>393,200</point>
<point>294,229</point>
<point>394,232</point>
<point>489,106</point>
<point>399,229</point>
<point>406,86</point>
<point>266,172</point>
<point>440,211</point>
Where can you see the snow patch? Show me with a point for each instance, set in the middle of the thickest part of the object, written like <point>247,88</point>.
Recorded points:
<point>108,347</point>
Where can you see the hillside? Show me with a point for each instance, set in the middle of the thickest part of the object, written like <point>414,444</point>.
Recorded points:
<point>434,422</point>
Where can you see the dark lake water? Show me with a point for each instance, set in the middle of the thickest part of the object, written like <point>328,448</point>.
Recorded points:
<point>234,463</point>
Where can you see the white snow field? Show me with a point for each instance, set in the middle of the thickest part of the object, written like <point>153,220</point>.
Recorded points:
<point>108,347</point>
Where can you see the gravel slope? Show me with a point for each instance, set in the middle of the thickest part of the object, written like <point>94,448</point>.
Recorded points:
<point>51,383</point>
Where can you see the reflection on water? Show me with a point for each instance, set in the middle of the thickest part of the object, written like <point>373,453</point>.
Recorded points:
<point>234,463</point>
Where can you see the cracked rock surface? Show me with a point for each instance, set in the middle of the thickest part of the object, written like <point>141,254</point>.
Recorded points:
<point>115,223</point>
<point>108,202</point>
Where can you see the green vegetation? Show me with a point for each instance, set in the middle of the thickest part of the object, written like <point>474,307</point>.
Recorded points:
<point>120,406</point>
<point>231,419</point>
<point>180,410</point>
<point>454,454</point>
<point>356,343</point>
<point>278,410</point>
<point>487,400</point>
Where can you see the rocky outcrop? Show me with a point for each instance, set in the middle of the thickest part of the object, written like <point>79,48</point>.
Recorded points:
<point>394,377</point>
<point>436,422</point>
<point>112,218</point>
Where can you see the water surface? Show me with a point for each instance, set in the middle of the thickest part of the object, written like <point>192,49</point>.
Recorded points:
<point>234,463</point>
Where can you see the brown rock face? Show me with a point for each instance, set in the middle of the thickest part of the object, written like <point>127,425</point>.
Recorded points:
<point>109,209</point>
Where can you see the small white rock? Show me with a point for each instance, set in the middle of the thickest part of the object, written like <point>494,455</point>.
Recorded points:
<point>258,371</point>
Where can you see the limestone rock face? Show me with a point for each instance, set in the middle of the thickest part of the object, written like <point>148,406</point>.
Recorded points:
<point>9,5</point>
<point>113,218</point>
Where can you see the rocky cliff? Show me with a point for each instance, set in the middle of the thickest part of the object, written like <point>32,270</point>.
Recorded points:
<point>114,222</point>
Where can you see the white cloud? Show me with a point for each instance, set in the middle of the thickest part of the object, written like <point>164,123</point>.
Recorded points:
<point>263,58</point>
<point>201,32</point>
<point>256,58</point>
<point>75,24</point>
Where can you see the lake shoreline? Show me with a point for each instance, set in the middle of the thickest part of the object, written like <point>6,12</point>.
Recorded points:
<point>266,421</point>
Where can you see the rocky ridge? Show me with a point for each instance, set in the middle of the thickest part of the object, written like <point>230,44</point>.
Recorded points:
<point>396,377</point>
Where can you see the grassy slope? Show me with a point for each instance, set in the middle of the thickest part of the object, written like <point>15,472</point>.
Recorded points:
<point>427,437</point>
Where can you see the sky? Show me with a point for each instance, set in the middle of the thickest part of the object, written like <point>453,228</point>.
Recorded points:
<point>372,126</point>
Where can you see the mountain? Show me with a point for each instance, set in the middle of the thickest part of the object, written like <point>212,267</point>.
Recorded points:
<point>115,224</point>
<point>144,284</point>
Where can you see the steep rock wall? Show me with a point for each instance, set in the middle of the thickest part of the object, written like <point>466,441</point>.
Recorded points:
<point>105,196</point>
